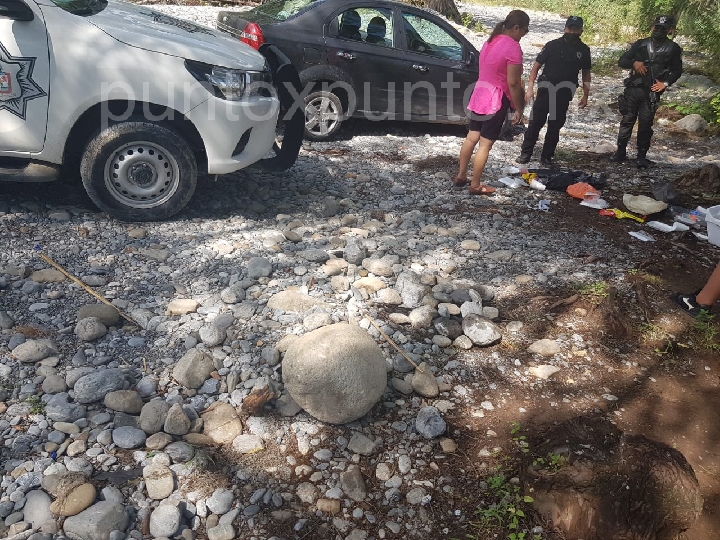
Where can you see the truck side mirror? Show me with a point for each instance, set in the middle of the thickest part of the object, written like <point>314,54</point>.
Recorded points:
<point>15,10</point>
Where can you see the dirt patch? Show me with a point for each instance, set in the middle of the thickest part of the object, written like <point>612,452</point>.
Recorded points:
<point>658,369</point>
<point>702,184</point>
<point>661,380</point>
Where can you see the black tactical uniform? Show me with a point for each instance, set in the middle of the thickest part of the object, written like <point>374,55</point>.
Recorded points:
<point>562,60</point>
<point>663,61</point>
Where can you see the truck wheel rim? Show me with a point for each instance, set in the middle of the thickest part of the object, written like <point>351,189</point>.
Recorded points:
<point>321,116</point>
<point>142,175</point>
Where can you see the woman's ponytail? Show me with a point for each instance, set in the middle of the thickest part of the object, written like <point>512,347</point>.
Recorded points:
<point>499,27</point>
<point>516,17</point>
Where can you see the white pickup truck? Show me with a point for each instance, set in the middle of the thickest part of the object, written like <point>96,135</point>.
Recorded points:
<point>135,101</point>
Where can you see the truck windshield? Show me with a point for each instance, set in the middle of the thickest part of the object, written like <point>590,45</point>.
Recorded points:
<point>281,10</point>
<point>82,7</point>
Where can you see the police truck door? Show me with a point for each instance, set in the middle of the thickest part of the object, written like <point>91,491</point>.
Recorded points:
<point>24,78</point>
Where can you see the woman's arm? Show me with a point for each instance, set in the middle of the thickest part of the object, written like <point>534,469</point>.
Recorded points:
<point>530,92</point>
<point>514,80</point>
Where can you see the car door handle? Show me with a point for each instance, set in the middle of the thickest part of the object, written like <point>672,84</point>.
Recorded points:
<point>346,55</point>
<point>420,67</point>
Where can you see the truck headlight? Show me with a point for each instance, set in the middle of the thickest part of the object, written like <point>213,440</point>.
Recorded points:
<point>232,84</point>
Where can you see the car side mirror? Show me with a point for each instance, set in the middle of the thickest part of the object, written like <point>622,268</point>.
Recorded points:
<point>470,61</point>
<point>16,10</point>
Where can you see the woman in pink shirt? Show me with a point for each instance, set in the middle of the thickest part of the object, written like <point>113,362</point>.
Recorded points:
<point>498,88</point>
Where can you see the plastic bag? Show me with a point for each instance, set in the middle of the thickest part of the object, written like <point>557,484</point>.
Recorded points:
<point>598,204</point>
<point>643,205</point>
<point>511,182</point>
<point>664,192</point>
<point>580,189</point>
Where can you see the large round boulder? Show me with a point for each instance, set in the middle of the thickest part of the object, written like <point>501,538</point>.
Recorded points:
<point>336,373</point>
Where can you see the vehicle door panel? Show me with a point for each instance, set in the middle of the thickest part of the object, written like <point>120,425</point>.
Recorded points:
<point>441,68</point>
<point>375,68</point>
<point>24,83</point>
<point>302,43</point>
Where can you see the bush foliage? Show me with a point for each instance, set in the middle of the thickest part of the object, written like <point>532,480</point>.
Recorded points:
<point>611,21</point>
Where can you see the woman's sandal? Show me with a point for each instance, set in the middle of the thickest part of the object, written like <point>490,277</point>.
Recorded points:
<point>481,190</point>
<point>460,182</point>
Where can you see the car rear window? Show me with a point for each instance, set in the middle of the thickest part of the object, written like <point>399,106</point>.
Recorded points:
<point>281,10</point>
<point>81,7</point>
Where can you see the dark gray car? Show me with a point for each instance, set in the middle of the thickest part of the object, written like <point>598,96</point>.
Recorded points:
<point>373,59</point>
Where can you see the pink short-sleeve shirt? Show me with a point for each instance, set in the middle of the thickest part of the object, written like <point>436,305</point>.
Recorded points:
<point>492,82</point>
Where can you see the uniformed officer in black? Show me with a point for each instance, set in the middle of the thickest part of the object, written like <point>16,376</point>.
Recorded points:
<point>655,64</point>
<point>561,59</point>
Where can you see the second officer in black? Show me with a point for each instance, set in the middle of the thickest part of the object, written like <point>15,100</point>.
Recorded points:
<point>655,63</point>
<point>561,59</point>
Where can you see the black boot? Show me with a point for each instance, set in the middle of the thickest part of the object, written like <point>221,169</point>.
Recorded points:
<point>620,155</point>
<point>642,161</point>
<point>523,158</point>
<point>546,161</point>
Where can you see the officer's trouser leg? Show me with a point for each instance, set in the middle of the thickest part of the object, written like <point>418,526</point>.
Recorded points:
<point>646,116</point>
<point>628,120</point>
<point>556,121</point>
<point>538,117</point>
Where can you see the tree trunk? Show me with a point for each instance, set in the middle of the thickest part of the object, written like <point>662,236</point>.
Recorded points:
<point>446,8</point>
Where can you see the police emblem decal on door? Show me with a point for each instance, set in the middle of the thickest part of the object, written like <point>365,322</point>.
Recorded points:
<point>17,86</point>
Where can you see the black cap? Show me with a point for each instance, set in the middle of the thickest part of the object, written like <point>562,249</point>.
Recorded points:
<point>668,21</point>
<point>574,21</point>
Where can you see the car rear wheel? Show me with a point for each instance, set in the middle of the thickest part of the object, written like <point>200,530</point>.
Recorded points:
<point>323,115</point>
<point>139,171</point>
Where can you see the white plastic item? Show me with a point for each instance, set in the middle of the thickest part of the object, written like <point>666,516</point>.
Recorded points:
<point>713,224</point>
<point>663,227</point>
<point>642,235</point>
<point>511,182</point>
<point>534,184</point>
<point>598,204</point>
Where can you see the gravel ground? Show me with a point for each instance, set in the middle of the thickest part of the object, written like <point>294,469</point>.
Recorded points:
<point>147,430</point>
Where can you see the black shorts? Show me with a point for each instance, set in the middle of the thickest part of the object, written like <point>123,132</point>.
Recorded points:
<point>488,125</point>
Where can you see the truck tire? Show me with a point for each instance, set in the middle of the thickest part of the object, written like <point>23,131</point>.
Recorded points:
<point>323,115</point>
<point>139,171</point>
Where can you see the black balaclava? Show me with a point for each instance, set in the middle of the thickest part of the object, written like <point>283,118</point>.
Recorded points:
<point>572,39</point>
<point>659,33</point>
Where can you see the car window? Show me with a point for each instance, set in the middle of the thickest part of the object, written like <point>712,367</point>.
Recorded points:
<point>425,36</point>
<point>82,7</point>
<point>281,10</point>
<point>371,25</point>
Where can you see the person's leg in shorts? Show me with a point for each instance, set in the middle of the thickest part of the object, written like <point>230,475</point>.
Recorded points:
<point>466,152</point>
<point>489,132</point>
<point>701,302</point>
<point>483,129</point>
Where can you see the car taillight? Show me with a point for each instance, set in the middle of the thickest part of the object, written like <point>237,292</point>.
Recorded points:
<point>252,35</point>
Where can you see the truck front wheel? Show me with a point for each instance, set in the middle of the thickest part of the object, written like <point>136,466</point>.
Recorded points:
<point>139,171</point>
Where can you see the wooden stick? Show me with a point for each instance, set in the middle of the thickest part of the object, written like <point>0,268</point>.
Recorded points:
<point>383,334</point>
<point>87,288</point>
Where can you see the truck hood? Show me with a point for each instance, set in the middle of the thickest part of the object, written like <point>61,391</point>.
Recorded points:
<point>145,28</point>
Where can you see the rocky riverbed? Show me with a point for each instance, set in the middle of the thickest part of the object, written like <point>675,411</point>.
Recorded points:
<point>140,424</point>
